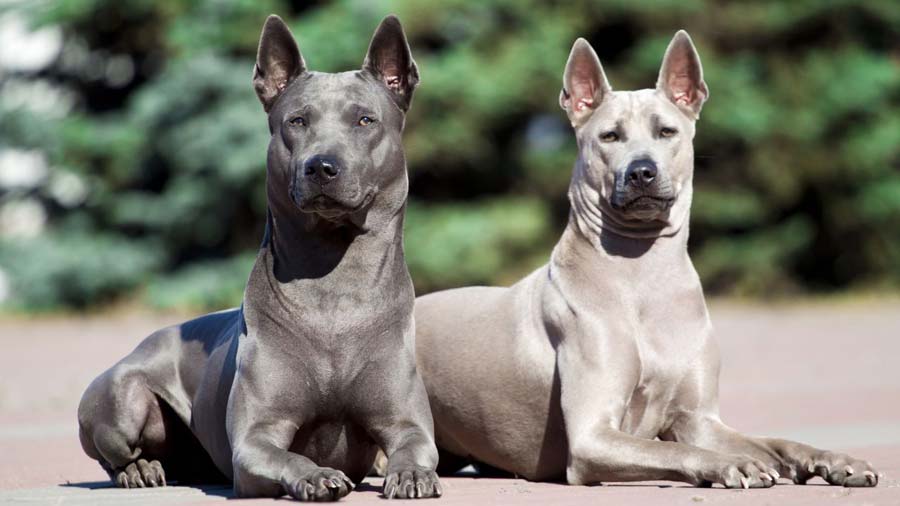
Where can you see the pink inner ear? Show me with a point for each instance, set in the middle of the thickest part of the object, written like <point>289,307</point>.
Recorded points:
<point>279,76</point>
<point>389,69</point>
<point>682,89</point>
<point>584,103</point>
<point>392,81</point>
<point>583,93</point>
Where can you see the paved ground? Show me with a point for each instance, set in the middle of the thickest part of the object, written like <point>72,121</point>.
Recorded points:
<point>826,373</point>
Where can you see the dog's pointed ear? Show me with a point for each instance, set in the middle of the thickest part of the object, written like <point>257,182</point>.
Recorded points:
<point>584,83</point>
<point>278,61</point>
<point>681,75</point>
<point>390,61</point>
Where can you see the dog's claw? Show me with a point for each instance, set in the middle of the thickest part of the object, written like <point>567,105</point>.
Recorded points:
<point>835,468</point>
<point>411,484</point>
<point>744,482</point>
<point>390,486</point>
<point>321,484</point>
<point>871,479</point>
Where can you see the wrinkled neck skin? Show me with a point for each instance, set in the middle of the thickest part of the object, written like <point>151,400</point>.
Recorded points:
<point>594,218</point>
<point>593,222</point>
<point>308,246</point>
<point>627,264</point>
<point>308,265</point>
<point>636,276</point>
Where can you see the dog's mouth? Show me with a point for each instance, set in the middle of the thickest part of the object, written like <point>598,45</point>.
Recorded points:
<point>643,207</point>
<point>648,202</point>
<point>330,207</point>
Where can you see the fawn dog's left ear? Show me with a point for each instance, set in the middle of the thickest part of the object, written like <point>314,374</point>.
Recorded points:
<point>681,76</point>
<point>584,83</point>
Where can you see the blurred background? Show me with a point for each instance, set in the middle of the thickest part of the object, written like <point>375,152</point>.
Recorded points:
<point>132,152</point>
<point>132,146</point>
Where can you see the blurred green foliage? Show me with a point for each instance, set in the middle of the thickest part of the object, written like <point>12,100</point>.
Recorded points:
<point>797,186</point>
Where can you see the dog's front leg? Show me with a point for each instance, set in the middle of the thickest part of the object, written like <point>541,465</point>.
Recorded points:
<point>264,468</point>
<point>403,427</point>
<point>411,465</point>
<point>260,437</point>
<point>595,386</point>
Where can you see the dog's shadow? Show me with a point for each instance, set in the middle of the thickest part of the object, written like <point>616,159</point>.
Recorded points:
<point>217,490</point>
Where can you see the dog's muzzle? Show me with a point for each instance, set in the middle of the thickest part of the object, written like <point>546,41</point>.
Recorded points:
<point>641,191</point>
<point>320,185</point>
<point>327,201</point>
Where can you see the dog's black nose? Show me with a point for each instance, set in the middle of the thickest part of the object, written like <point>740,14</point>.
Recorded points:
<point>641,172</point>
<point>321,169</point>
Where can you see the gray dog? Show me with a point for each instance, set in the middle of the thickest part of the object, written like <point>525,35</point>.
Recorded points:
<point>575,371</point>
<point>297,390</point>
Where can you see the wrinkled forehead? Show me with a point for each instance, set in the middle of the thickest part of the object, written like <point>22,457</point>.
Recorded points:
<point>323,93</point>
<point>643,107</point>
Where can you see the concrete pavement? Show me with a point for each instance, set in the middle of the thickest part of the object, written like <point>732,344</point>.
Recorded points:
<point>825,373</point>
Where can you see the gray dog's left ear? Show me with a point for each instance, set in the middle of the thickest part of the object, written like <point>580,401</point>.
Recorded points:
<point>681,75</point>
<point>390,61</point>
<point>278,61</point>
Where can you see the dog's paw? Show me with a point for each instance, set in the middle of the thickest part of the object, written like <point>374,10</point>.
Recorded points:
<point>836,469</point>
<point>322,484</point>
<point>738,472</point>
<point>141,474</point>
<point>413,484</point>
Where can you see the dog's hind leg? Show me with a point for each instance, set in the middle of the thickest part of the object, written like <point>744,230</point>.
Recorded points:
<point>796,461</point>
<point>137,438</point>
<point>122,426</point>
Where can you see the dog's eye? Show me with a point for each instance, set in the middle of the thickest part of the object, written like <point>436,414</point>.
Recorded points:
<point>667,132</point>
<point>297,121</point>
<point>365,121</point>
<point>609,136</point>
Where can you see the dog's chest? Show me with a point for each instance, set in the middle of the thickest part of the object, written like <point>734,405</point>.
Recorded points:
<point>652,398</point>
<point>668,343</point>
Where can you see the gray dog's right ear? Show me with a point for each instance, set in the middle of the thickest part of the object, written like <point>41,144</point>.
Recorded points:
<point>584,83</point>
<point>278,61</point>
<point>390,61</point>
